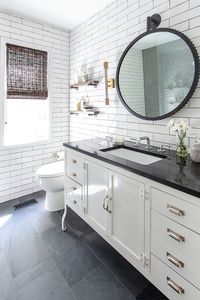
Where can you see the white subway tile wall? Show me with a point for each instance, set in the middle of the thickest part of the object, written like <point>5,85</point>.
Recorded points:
<point>18,164</point>
<point>103,38</point>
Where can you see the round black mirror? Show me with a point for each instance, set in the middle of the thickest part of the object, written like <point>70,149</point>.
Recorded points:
<point>157,74</point>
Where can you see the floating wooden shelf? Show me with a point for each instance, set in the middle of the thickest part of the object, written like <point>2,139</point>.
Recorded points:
<point>89,113</point>
<point>93,83</point>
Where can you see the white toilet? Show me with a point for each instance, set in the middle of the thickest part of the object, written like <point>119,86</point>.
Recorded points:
<point>51,179</point>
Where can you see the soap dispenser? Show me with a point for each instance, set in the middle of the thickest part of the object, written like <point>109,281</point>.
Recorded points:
<point>195,151</point>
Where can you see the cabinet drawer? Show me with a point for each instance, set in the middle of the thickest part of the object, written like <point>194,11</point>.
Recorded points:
<point>76,173</point>
<point>169,232</point>
<point>176,209</point>
<point>73,159</point>
<point>174,283</point>
<point>183,256</point>
<point>74,193</point>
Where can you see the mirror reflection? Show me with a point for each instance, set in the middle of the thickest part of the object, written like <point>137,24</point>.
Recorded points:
<point>156,74</point>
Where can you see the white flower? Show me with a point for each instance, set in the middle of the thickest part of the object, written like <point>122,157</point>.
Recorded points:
<point>175,127</point>
<point>170,123</point>
<point>180,128</point>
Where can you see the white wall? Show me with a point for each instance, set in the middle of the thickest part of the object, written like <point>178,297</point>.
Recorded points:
<point>18,164</point>
<point>104,37</point>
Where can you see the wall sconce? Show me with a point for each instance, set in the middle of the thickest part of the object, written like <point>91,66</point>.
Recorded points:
<point>109,83</point>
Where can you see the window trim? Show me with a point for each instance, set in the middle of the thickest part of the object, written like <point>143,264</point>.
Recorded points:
<point>3,89</point>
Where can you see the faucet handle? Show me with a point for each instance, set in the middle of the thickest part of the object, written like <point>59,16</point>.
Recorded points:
<point>148,147</point>
<point>133,139</point>
<point>163,148</point>
<point>136,140</point>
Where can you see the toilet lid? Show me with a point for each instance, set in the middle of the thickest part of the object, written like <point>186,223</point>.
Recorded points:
<point>51,170</point>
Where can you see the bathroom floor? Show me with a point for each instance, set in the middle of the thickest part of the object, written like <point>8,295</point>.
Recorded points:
<point>41,262</point>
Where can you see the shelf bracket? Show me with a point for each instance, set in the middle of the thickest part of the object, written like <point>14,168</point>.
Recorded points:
<point>109,83</point>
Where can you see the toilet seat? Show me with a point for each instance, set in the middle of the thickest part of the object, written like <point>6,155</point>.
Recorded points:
<point>54,169</point>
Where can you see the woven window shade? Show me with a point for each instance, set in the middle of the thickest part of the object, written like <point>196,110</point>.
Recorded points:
<point>26,73</point>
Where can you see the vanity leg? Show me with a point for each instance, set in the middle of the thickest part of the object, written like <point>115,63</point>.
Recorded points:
<point>64,217</point>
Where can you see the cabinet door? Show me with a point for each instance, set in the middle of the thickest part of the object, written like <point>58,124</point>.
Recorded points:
<point>96,190</point>
<point>127,215</point>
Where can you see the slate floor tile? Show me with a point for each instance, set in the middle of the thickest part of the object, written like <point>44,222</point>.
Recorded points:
<point>42,220</point>
<point>118,265</point>
<point>6,280</point>
<point>80,227</point>
<point>26,250</point>
<point>100,284</point>
<point>72,257</point>
<point>41,262</point>
<point>22,246</point>
<point>43,282</point>
<point>150,292</point>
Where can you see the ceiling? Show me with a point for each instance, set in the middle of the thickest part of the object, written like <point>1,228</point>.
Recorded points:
<point>62,13</point>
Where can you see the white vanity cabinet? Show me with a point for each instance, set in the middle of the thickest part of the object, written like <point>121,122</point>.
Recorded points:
<point>127,215</point>
<point>96,191</point>
<point>115,208</point>
<point>155,227</point>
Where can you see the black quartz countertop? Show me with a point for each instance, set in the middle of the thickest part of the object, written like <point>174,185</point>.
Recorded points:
<point>183,175</point>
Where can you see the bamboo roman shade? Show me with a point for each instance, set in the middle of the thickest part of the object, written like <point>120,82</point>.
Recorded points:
<point>26,73</point>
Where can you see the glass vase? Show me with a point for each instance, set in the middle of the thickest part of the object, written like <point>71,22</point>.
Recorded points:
<point>182,150</point>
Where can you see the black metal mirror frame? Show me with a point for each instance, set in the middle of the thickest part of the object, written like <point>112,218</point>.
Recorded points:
<point>195,79</point>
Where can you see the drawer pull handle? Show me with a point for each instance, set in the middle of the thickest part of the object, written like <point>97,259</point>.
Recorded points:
<point>73,188</point>
<point>175,286</point>
<point>73,174</point>
<point>175,210</point>
<point>179,238</point>
<point>73,161</point>
<point>174,260</point>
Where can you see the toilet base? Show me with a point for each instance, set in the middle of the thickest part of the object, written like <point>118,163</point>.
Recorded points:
<point>54,201</point>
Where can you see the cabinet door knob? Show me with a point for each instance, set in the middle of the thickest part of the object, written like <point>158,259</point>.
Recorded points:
<point>73,174</point>
<point>105,202</point>
<point>175,261</point>
<point>175,210</point>
<point>73,161</point>
<point>179,238</point>
<point>73,188</point>
<point>74,201</point>
<point>175,286</point>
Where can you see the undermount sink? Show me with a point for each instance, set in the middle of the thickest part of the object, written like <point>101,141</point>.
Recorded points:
<point>134,155</point>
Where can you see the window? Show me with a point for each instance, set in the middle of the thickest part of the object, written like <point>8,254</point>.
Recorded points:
<point>26,105</point>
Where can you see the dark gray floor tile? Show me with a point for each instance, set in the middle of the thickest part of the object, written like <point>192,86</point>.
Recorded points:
<point>28,256</point>
<point>72,257</point>
<point>23,246</point>
<point>39,261</point>
<point>44,282</point>
<point>42,220</point>
<point>118,265</point>
<point>80,227</point>
<point>7,290</point>
<point>150,292</point>
<point>100,284</point>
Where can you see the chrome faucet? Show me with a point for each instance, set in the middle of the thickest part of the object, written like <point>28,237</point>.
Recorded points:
<point>148,147</point>
<point>163,148</point>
